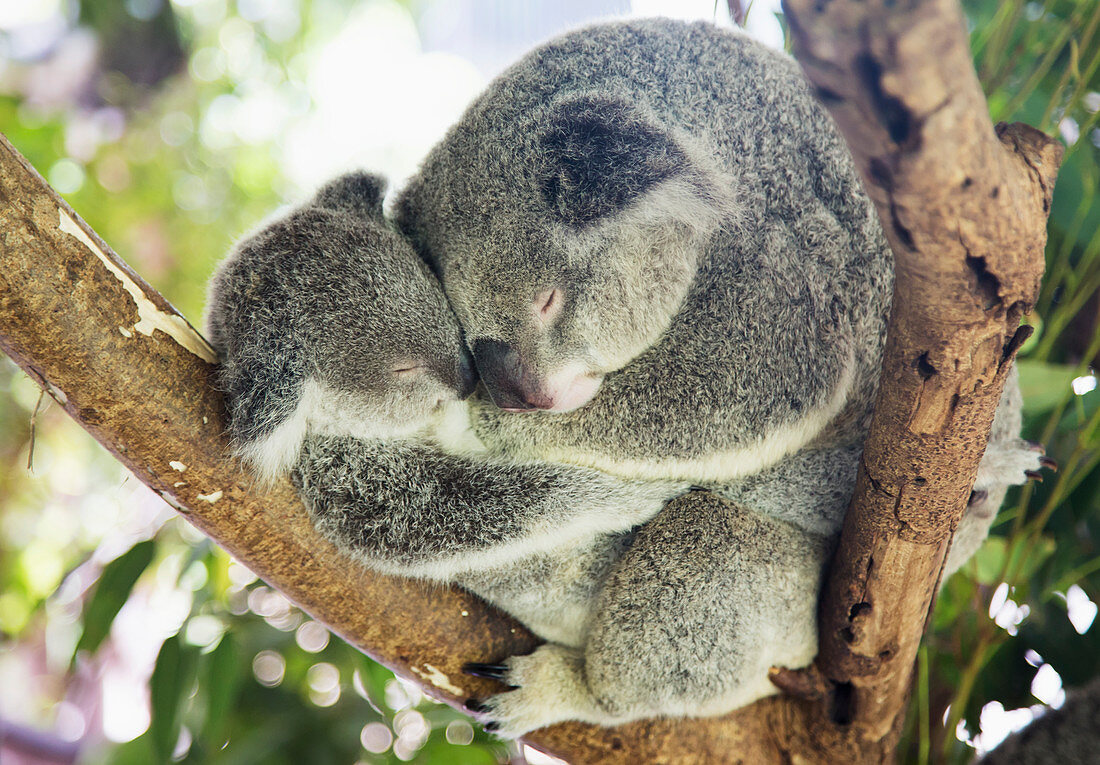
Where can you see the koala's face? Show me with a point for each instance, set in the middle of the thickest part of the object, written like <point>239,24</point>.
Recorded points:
<point>390,355</point>
<point>548,319</point>
<point>328,322</point>
<point>568,257</point>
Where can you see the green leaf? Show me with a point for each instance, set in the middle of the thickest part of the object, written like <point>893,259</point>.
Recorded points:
<point>173,676</point>
<point>1038,555</point>
<point>113,589</point>
<point>1044,385</point>
<point>222,679</point>
<point>990,560</point>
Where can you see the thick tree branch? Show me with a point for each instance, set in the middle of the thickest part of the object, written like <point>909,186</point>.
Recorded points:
<point>965,208</point>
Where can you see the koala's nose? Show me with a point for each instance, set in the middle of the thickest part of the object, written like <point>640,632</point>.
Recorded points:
<point>504,377</point>
<point>467,376</point>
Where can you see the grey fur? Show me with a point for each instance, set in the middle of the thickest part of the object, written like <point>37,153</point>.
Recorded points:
<point>724,277</point>
<point>688,290</point>
<point>286,308</point>
<point>329,295</point>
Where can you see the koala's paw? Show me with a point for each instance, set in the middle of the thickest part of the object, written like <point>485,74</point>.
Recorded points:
<point>548,687</point>
<point>1011,463</point>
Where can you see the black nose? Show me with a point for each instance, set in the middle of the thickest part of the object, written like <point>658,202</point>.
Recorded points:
<point>504,376</point>
<point>467,376</point>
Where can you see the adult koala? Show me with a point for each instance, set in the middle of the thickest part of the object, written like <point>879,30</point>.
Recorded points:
<point>665,266</point>
<point>654,231</point>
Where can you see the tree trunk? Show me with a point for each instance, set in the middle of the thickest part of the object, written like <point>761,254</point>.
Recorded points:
<point>964,208</point>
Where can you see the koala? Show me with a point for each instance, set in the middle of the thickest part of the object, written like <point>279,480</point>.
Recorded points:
<point>343,366</point>
<point>667,273</point>
<point>665,267</point>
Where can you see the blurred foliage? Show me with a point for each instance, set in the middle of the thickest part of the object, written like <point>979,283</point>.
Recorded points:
<point>98,581</point>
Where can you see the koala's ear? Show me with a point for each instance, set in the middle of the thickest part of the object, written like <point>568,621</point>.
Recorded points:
<point>598,154</point>
<point>359,193</point>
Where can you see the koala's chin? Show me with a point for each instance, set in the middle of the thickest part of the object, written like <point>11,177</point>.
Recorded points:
<point>572,388</point>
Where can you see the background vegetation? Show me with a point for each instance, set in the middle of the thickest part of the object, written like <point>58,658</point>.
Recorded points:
<point>128,637</point>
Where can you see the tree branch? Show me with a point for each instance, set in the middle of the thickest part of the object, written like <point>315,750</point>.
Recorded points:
<point>965,208</point>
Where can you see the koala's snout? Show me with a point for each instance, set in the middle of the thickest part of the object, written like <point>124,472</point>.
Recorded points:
<point>510,385</point>
<point>516,387</point>
<point>467,376</point>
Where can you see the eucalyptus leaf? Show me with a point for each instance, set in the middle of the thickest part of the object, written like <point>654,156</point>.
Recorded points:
<point>173,676</point>
<point>111,592</point>
<point>1044,385</point>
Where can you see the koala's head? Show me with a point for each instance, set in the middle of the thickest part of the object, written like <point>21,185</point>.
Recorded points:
<point>329,322</point>
<point>567,237</point>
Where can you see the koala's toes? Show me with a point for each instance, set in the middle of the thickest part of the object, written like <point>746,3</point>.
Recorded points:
<point>1038,448</point>
<point>514,713</point>
<point>547,687</point>
<point>1015,462</point>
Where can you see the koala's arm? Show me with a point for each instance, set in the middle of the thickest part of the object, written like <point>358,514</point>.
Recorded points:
<point>409,508</point>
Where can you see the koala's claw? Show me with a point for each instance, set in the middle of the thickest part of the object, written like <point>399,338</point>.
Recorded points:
<point>546,687</point>
<point>488,671</point>
<point>1010,463</point>
<point>475,706</point>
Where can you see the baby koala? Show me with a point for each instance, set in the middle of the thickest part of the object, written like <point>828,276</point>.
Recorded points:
<point>343,365</point>
<point>327,323</point>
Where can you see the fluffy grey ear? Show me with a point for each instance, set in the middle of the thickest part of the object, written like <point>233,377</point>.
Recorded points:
<point>359,193</point>
<point>599,154</point>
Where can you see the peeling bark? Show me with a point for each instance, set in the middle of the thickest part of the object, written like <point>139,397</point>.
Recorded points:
<point>964,208</point>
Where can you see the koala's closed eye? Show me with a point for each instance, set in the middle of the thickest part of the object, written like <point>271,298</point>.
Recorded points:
<point>548,304</point>
<point>408,370</point>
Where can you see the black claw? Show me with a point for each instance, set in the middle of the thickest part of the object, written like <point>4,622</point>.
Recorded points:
<point>475,706</point>
<point>1035,446</point>
<point>978,495</point>
<point>1048,463</point>
<point>491,726</point>
<point>490,671</point>
<point>1034,475</point>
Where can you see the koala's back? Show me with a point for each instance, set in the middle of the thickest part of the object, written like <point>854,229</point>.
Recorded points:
<point>779,339</point>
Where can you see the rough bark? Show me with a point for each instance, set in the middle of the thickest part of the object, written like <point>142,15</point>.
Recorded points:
<point>964,209</point>
<point>964,206</point>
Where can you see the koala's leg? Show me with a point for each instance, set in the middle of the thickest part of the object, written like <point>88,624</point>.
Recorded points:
<point>411,508</point>
<point>709,597</point>
<point>554,593</point>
